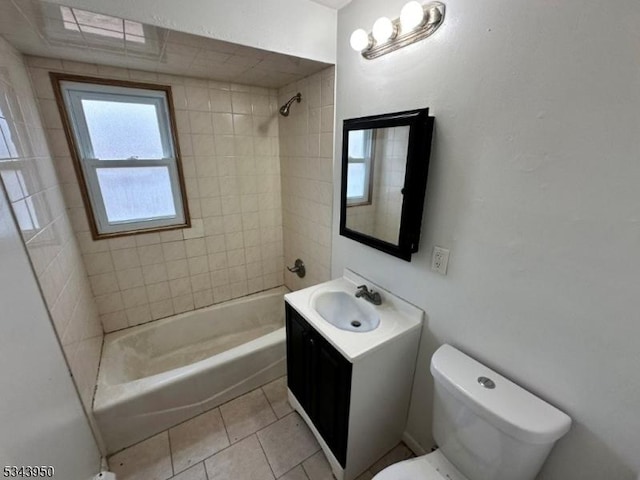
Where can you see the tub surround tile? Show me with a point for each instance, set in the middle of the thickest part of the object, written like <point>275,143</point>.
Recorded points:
<point>197,472</point>
<point>244,460</point>
<point>276,393</point>
<point>247,414</point>
<point>306,151</point>
<point>287,443</point>
<point>38,194</point>
<point>317,467</point>
<point>197,439</point>
<point>147,460</point>
<point>224,176</point>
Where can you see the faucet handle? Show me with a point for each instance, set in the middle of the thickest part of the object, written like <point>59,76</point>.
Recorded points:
<point>363,288</point>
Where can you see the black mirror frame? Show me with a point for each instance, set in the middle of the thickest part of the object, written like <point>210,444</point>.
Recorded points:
<point>415,180</point>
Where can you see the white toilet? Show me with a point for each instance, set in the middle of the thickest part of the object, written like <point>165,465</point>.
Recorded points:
<point>486,427</point>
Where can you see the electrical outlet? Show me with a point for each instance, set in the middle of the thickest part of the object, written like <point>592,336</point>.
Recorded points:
<point>439,260</point>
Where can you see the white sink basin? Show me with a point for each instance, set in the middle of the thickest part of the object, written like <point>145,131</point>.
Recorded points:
<point>346,312</point>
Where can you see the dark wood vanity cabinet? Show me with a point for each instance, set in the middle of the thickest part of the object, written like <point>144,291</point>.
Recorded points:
<point>320,379</point>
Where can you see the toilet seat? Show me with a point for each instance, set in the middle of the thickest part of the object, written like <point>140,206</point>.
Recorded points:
<point>433,466</point>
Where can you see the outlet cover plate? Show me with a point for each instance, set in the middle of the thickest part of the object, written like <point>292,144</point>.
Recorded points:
<point>440,260</point>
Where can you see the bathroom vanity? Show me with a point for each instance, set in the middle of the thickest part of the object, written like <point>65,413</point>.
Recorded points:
<point>351,386</point>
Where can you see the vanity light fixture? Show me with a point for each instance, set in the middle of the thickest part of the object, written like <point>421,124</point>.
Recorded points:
<point>415,23</point>
<point>384,30</point>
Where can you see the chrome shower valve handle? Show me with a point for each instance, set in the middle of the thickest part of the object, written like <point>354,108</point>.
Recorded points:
<point>298,268</point>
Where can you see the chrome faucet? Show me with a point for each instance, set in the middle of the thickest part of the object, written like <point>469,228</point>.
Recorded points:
<point>369,295</point>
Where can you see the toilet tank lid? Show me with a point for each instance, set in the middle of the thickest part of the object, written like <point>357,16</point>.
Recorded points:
<point>508,406</point>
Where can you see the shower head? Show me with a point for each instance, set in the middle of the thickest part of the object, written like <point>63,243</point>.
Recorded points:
<point>284,110</point>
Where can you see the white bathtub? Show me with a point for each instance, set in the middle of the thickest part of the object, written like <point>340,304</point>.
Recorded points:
<point>159,374</point>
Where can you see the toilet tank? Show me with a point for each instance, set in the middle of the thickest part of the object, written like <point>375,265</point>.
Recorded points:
<point>488,427</point>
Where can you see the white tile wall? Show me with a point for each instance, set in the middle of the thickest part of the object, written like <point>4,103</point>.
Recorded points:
<point>36,196</point>
<point>391,159</point>
<point>306,153</point>
<point>228,136</point>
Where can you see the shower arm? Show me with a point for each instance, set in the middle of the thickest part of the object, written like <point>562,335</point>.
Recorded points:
<point>284,110</point>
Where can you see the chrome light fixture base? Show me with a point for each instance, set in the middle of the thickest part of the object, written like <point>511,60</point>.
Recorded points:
<point>434,16</point>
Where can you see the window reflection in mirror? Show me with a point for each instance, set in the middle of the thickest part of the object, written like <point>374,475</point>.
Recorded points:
<point>375,181</point>
<point>360,167</point>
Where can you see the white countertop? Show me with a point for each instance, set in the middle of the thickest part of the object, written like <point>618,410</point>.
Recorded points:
<point>397,317</point>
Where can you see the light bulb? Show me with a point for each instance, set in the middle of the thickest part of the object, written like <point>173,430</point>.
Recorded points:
<point>411,16</point>
<point>383,30</point>
<point>359,40</point>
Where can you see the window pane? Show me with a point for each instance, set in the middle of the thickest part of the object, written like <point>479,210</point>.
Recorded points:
<point>121,130</point>
<point>356,180</point>
<point>138,193</point>
<point>359,143</point>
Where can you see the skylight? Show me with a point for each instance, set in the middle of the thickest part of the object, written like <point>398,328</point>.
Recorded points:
<point>78,20</point>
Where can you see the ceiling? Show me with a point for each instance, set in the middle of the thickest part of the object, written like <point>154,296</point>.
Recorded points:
<point>50,30</point>
<point>337,4</point>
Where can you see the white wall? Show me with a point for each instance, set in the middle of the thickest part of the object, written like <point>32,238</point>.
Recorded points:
<point>295,27</point>
<point>534,187</point>
<point>40,412</point>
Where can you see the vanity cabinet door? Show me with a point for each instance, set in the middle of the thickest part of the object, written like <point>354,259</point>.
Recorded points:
<point>330,396</point>
<point>298,356</point>
<point>320,378</point>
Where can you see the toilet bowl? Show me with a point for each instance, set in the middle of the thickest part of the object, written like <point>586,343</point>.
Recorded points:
<point>486,427</point>
<point>433,466</point>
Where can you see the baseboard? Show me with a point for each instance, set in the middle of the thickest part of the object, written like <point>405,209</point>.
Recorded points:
<point>413,444</point>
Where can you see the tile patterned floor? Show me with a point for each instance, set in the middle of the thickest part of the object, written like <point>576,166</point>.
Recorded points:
<point>257,436</point>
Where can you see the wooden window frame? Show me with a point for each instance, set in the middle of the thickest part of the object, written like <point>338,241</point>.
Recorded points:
<point>78,158</point>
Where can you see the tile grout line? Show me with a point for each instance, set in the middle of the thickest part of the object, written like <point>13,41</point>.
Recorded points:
<point>293,468</point>
<point>173,470</point>
<point>226,432</point>
<point>256,434</point>
<point>252,433</point>
<point>312,455</point>
<point>265,456</point>
<point>269,403</point>
<point>215,453</point>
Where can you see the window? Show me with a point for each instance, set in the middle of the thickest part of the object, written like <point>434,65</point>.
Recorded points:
<point>360,167</point>
<point>124,145</point>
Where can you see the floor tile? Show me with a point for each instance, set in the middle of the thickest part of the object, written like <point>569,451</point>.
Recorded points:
<point>197,439</point>
<point>287,443</point>
<point>397,454</point>
<point>148,460</point>
<point>247,414</point>
<point>244,460</point>
<point>295,474</point>
<point>317,467</point>
<point>194,473</point>
<point>276,393</point>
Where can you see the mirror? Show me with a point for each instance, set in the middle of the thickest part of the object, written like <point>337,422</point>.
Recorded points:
<point>385,161</point>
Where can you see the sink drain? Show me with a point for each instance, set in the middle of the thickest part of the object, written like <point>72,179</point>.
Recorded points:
<point>356,324</point>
